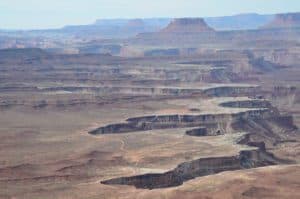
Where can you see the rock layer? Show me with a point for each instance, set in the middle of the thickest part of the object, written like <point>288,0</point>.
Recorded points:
<point>260,123</point>
<point>289,20</point>
<point>187,25</point>
<point>205,166</point>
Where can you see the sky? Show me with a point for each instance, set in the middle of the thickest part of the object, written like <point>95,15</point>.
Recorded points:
<point>41,14</point>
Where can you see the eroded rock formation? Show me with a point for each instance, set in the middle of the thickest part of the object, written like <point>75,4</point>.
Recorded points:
<point>187,25</point>
<point>205,166</point>
<point>262,125</point>
<point>288,20</point>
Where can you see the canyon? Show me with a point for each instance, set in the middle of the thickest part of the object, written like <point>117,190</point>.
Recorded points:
<point>163,108</point>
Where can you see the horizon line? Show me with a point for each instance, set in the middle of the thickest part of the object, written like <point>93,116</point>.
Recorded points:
<point>143,18</point>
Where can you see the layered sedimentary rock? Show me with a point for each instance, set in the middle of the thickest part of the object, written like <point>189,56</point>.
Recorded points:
<point>253,103</point>
<point>187,25</point>
<point>231,91</point>
<point>264,124</point>
<point>177,121</point>
<point>201,167</point>
<point>197,168</point>
<point>260,110</point>
<point>289,20</point>
<point>251,158</point>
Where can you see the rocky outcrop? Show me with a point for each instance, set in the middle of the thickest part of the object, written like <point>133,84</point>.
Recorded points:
<point>253,103</point>
<point>203,131</point>
<point>181,173</point>
<point>269,130</point>
<point>261,110</point>
<point>260,64</point>
<point>224,91</point>
<point>205,166</point>
<point>177,121</point>
<point>263,125</point>
<point>187,25</point>
<point>215,91</point>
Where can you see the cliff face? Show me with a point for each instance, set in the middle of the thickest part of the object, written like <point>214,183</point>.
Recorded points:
<point>264,126</point>
<point>201,167</point>
<point>177,121</point>
<point>289,20</point>
<point>187,25</point>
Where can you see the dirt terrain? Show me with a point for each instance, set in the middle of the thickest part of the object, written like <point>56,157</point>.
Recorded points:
<point>158,120</point>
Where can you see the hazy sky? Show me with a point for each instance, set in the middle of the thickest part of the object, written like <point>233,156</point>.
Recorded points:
<point>29,14</point>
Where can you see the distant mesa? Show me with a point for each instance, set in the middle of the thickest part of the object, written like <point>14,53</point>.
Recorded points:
<point>187,25</point>
<point>135,23</point>
<point>288,20</point>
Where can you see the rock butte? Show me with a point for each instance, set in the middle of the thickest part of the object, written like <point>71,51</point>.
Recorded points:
<point>187,25</point>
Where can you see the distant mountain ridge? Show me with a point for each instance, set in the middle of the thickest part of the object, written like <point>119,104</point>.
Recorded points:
<point>239,22</point>
<point>120,28</point>
<point>234,22</point>
<point>127,28</point>
<point>286,20</point>
<point>157,22</point>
